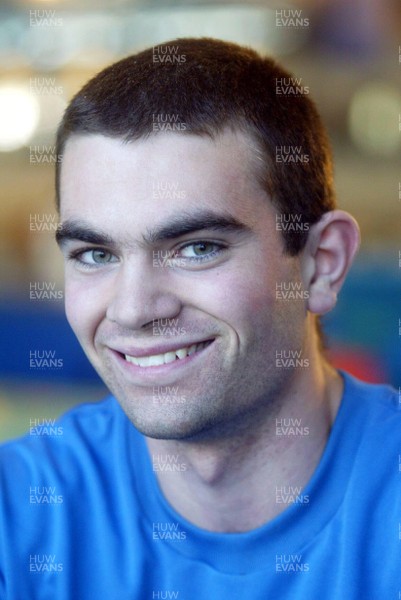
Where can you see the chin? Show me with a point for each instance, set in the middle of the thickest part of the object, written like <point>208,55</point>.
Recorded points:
<point>166,432</point>
<point>172,427</point>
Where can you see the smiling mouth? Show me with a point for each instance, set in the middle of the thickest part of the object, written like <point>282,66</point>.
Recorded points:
<point>155,360</point>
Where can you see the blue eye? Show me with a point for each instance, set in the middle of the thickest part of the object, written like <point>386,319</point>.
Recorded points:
<point>199,250</point>
<point>98,256</point>
<point>93,257</point>
<point>196,253</point>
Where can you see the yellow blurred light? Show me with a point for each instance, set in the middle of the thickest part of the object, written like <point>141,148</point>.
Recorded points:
<point>19,116</point>
<point>374,116</point>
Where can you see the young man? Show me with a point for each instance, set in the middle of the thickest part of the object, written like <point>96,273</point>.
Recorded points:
<point>201,242</point>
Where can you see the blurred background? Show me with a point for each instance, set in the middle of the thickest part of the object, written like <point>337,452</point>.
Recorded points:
<point>349,56</point>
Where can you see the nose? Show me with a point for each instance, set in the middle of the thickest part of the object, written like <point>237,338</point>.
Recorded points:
<point>142,294</point>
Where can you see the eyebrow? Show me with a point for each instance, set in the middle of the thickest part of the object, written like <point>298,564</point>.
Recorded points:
<point>175,228</point>
<point>77,230</point>
<point>190,223</point>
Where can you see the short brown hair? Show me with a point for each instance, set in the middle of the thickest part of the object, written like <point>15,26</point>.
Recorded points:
<point>210,85</point>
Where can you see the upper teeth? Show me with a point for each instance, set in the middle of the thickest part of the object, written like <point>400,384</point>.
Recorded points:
<point>161,359</point>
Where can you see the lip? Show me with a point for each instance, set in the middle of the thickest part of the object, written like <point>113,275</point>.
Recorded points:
<point>158,374</point>
<point>159,349</point>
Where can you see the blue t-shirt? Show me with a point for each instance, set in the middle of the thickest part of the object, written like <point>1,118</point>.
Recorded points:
<point>82,517</point>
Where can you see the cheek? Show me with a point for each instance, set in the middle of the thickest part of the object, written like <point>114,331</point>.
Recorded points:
<point>84,308</point>
<point>245,298</point>
<point>239,298</point>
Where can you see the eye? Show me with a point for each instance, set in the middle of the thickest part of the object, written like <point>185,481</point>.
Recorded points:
<point>97,256</point>
<point>93,257</point>
<point>199,249</point>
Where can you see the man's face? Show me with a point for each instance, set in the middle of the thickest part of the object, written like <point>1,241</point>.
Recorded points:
<point>172,259</point>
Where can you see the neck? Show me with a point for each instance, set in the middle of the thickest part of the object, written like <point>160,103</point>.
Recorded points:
<point>235,484</point>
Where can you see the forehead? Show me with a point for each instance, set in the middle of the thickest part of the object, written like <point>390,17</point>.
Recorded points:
<point>158,176</point>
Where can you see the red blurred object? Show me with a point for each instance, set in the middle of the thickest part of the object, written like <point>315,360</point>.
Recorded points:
<point>359,363</point>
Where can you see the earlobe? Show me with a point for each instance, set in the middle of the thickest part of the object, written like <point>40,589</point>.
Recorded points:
<point>322,297</point>
<point>327,257</point>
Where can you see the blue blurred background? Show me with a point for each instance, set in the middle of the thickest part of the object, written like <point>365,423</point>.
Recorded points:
<point>349,54</point>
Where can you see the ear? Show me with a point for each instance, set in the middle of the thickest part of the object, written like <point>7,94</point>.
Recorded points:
<point>327,256</point>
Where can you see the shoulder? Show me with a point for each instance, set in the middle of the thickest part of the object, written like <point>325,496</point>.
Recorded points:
<point>62,486</point>
<point>377,404</point>
<point>82,436</point>
<point>370,446</point>
<point>66,427</point>
<point>371,415</point>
